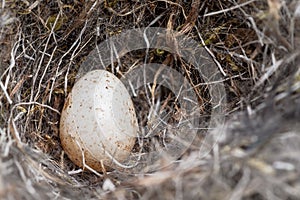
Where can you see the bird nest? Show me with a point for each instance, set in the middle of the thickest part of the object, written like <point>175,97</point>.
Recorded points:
<point>252,153</point>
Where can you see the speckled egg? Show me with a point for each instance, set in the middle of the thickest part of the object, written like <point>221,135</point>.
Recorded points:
<point>98,124</point>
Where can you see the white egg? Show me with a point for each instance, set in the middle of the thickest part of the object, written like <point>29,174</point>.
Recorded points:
<point>98,121</point>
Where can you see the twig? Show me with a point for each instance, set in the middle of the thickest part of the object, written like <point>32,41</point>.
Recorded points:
<point>228,9</point>
<point>84,163</point>
<point>210,53</point>
<point>5,93</point>
<point>271,70</point>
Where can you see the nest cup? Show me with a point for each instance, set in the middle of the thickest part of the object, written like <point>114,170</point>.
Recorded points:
<point>98,124</point>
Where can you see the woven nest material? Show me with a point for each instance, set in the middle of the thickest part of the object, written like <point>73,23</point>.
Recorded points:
<point>254,44</point>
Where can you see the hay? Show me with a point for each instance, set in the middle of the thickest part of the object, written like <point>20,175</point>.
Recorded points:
<point>254,44</point>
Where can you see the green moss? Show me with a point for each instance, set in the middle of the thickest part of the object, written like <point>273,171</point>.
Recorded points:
<point>53,21</point>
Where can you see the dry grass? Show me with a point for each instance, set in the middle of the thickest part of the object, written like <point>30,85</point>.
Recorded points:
<point>254,43</point>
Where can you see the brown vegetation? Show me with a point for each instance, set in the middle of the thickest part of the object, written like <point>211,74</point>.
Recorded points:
<point>256,43</point>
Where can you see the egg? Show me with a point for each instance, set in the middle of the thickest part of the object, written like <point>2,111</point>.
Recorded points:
<point>98,125</point>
